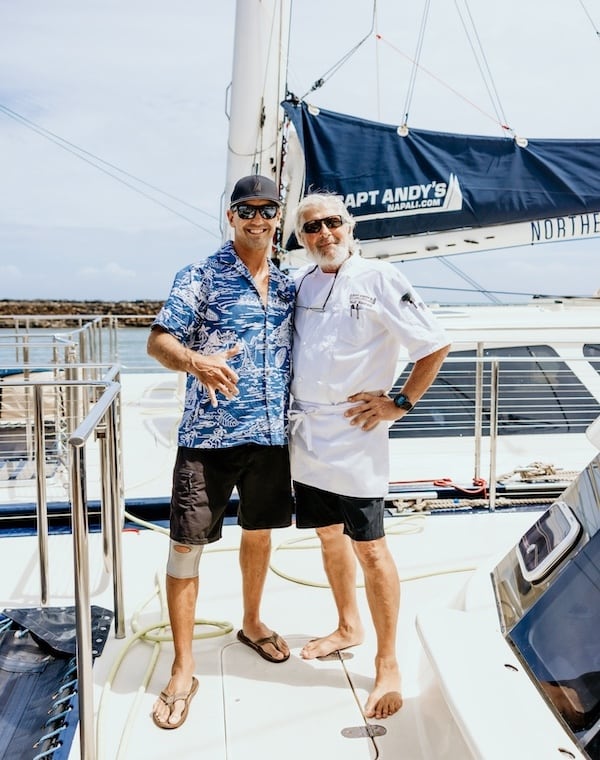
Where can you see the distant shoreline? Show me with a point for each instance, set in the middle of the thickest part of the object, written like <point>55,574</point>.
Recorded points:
<point>137,313</point>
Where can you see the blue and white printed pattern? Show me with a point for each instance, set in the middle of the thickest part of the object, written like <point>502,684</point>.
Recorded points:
<point>214,305</point>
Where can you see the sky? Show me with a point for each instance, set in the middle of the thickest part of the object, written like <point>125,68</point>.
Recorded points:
<point>113,127</point>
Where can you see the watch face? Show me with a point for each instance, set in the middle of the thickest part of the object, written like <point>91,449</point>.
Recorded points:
<point>402,402</point>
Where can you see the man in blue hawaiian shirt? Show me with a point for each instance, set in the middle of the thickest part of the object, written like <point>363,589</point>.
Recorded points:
<point>227,323</point>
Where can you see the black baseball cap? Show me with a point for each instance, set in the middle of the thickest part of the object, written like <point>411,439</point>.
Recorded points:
<point>255,187</point>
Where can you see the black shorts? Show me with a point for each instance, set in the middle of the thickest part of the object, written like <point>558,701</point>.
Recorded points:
<point>204,479</point>
<point>362,517</point>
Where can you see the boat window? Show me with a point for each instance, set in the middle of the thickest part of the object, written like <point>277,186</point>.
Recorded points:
<point>537,395</point>
<point>593,350</point>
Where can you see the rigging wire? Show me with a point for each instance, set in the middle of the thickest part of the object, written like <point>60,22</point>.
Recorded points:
<point>485,69</point>
<point>377,64</point>
<point>470,280</point>
<point>346,57</point>
<point>415,67</point>
<point>447,288</point>
<point>441,82</point>
<point>95,161</point>
<point>481,58</point>
<point>590,19</point>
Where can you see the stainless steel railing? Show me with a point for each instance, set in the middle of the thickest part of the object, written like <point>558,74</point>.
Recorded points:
<point>100,427</point>
<point>93,339</point>
<point>103,421</point>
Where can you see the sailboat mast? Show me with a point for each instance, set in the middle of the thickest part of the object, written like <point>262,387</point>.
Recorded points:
<point>257,88</point>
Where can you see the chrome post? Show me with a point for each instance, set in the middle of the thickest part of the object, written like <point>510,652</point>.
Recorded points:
<point>112,337</point>
<point>478,409</point>
<point>83,347</point>
<point>494,390</point>
<point>119,468</point>
<point>26,357</point>
<point>71,395</point>
<point>77,443</point>
<point>82,601</point>
<point>98,343</point>
<point>41,502</point>
<point>116,521</point>
<point>106,506</point>
<point>29,431</point>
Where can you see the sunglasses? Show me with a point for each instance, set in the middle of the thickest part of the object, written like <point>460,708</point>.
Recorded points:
<point>246,211</point>
<point>331,222</point>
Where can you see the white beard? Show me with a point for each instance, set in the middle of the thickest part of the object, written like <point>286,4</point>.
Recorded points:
<point>327,262</point>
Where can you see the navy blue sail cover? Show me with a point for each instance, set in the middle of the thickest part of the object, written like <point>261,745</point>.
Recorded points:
<point>432,181</point>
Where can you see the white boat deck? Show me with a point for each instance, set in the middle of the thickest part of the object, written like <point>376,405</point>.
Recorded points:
<point>246,707</point>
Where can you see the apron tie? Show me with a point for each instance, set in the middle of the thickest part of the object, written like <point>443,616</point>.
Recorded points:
<point>300,423</point>
<point>300,418</point>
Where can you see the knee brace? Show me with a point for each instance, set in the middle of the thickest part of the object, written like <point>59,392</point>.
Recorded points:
<point>183,559</point>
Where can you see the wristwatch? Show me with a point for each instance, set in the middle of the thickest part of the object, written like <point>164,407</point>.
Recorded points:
<point>402,402</point>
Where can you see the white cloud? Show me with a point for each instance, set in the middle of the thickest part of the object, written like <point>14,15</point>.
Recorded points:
<point>142,84</point>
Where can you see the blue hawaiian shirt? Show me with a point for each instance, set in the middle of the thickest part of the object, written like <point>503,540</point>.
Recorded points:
<point>214,305</point>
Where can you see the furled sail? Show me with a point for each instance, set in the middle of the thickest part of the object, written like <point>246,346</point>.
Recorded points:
<point>400,182</point>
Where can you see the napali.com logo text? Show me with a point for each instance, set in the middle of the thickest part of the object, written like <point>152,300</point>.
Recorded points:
<point>400,201</point>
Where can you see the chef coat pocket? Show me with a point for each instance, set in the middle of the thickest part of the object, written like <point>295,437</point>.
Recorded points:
<point>358,327</point>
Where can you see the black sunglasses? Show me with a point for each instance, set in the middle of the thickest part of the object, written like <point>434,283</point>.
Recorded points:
<point>331,222</point>
<point>246,211</point>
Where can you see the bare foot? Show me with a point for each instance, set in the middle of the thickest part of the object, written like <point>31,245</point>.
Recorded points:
<point>385,699</point>
<point>179,683</point>
<point>339,639</point>
<point>261,631</point>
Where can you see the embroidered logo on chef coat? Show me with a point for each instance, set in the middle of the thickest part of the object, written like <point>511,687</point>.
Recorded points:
<point>360,302</point>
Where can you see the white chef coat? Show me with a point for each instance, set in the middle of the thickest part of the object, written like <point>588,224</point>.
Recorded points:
<point>350,328</point>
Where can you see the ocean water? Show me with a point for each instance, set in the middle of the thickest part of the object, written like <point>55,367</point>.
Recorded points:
<point>130,350</point>
<point>131,346</point>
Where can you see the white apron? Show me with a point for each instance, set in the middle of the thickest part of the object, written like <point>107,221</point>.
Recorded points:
<point>327,452</point>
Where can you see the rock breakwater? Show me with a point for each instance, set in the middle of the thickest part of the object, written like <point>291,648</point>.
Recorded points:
<point>59,313</point>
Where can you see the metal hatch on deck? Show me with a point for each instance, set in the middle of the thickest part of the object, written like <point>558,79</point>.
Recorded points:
<point>551,618</point>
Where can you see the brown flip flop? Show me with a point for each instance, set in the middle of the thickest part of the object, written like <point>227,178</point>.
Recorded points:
<point>170,699</point>
<point>258,645</point>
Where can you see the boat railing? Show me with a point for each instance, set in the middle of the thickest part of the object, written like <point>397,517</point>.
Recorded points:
<point>486,403</point>
<point>103,424</point>
<point>97,433</point>
<point>31,348</point>
<point>548,389</point>
<point>480,399</point>
<point>59,338</point>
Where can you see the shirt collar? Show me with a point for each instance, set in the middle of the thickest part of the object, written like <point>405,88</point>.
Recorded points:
<point>228,257</point>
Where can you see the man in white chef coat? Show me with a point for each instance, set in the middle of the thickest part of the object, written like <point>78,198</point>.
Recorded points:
<point>353,317</point>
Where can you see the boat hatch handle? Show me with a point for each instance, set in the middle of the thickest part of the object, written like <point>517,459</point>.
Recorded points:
<point>368,731</point>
